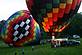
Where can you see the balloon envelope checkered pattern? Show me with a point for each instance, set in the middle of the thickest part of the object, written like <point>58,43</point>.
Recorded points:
<point>53,15</point>
<point>20,29</point>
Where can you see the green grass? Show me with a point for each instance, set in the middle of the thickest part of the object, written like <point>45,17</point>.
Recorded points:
<point>41,50</point>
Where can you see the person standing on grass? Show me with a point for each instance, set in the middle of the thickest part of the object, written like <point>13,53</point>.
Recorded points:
<point>22,51</point>
<point>15,53</point>
<point>32,48</point>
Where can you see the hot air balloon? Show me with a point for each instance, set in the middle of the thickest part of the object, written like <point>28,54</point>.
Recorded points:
<point>1,26</point>
<point>53,15</point>
<point>21,29</point>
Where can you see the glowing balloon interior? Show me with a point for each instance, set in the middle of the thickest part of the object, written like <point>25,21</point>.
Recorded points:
<point>53,15</point>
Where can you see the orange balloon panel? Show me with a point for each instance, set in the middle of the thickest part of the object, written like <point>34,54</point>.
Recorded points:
<point>56,12</point>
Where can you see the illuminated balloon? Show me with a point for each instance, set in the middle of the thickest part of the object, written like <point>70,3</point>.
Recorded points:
<point>21,29</point>
<point>53,15</point>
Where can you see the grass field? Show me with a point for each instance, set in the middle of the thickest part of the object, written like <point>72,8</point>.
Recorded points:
<point>41,50</point>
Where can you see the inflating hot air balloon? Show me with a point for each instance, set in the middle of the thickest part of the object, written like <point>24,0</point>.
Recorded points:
<point>21,29</point>
<point>53,15</point>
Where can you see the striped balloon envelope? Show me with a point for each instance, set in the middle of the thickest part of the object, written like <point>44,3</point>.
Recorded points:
<point>21,29</point>
<point>53,15</point>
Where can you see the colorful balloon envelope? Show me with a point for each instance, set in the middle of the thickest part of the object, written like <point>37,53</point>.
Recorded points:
<point>53,15</point>
<point>21,29</point>
<point>1,26</point>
